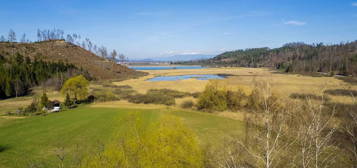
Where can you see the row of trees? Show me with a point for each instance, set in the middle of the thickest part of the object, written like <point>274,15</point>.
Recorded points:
<point>19,74</point>
<point>295,57</point>
<point>58,34</point>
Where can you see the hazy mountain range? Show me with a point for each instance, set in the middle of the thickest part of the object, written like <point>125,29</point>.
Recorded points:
<point>176,58</point>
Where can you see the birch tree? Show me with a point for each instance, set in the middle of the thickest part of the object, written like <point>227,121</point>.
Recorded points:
<point>315,136</point>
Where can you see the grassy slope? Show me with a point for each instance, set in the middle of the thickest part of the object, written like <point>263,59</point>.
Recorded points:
<point>29,140</point>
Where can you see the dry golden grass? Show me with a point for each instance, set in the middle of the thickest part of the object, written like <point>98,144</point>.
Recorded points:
<point>282,84</point>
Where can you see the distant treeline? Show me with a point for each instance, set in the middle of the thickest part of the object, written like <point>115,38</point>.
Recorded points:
<point>338,59</point>
<point>19,74</point>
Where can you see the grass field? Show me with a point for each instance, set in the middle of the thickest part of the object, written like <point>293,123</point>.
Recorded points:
<point>28,140</point>
<point>35,140</point>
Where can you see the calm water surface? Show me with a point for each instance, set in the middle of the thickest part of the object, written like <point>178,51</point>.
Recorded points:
<point>164,67</point>
<point>183,77</point>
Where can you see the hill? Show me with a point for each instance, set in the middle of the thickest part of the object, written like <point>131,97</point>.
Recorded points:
<point>294,57</point>
<point>59,50</point>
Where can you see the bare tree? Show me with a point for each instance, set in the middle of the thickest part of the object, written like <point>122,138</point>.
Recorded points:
<point>102,51</point>
<point>114,55</point>
<point>23,38</point>
<point>266,145</point>
<point>315,136</point>
<point>122,58</point>
<point>89,44</point>
<point>69,38</point>
<point>39,35</point>
<point>12,36</point>
<point>2,38</point>
<point>350,129</point>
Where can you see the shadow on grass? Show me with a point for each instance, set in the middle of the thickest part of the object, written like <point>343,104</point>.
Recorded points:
<point>4,148</point>
<point>304,96</point>
<point>350,80</point>
<point>342,110</point>
<point>341,92</point>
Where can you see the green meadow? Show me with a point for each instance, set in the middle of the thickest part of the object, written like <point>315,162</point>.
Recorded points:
<point>73,134</point>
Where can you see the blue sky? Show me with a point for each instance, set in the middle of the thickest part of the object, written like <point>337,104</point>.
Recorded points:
<point>156,28</point>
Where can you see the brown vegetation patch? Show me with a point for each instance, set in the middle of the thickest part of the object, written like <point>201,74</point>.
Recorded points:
<point>341,92</point>
<point>304,96</point>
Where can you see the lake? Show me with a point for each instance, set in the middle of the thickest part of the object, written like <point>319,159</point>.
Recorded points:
<point>164,67</point>
<point>183,77</point>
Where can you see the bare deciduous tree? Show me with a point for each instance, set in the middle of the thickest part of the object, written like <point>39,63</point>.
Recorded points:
<point>122,58</point>
<point>12,36</point>
<point>23,38</point>
<point>315,136</point>
<point>2,38</point>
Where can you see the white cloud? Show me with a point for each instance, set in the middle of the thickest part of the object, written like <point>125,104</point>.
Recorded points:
<point>354,4</point>
<point>295,23</point>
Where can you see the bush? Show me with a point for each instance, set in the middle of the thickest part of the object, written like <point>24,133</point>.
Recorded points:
<point>104,96</point>
<point>262,97</point>
<point>187,104</point>
<point>236,100</point>
<point>213,98</point>
<point>157,96</point>
<point>168,92</point>
<point>152,98</point>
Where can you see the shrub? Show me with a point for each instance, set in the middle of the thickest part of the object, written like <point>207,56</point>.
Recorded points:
<point>104,96</point>
<point>213,98</point>
<point>68,102</point>
<point>187,104</point>
<point>262,97</point>
<point>44,100</point>
<point>235,100</point>
<point>152,98</point>
<point>168,92</point>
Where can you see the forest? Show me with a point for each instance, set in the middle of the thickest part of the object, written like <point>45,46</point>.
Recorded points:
<point>19,74</point>
<point>338,59</point>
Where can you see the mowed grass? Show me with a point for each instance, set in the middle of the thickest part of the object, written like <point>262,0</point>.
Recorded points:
<point>37,140</point>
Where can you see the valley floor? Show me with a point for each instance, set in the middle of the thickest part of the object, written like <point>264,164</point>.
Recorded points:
<point>74,133</point>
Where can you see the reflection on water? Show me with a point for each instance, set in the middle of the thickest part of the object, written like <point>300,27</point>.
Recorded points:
<point>183,77</point>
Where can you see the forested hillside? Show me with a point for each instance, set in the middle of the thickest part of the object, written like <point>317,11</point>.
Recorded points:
<point>19,74</point>
<point>295,57</point>
<point>51,60</point>
<point>60,50</point>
